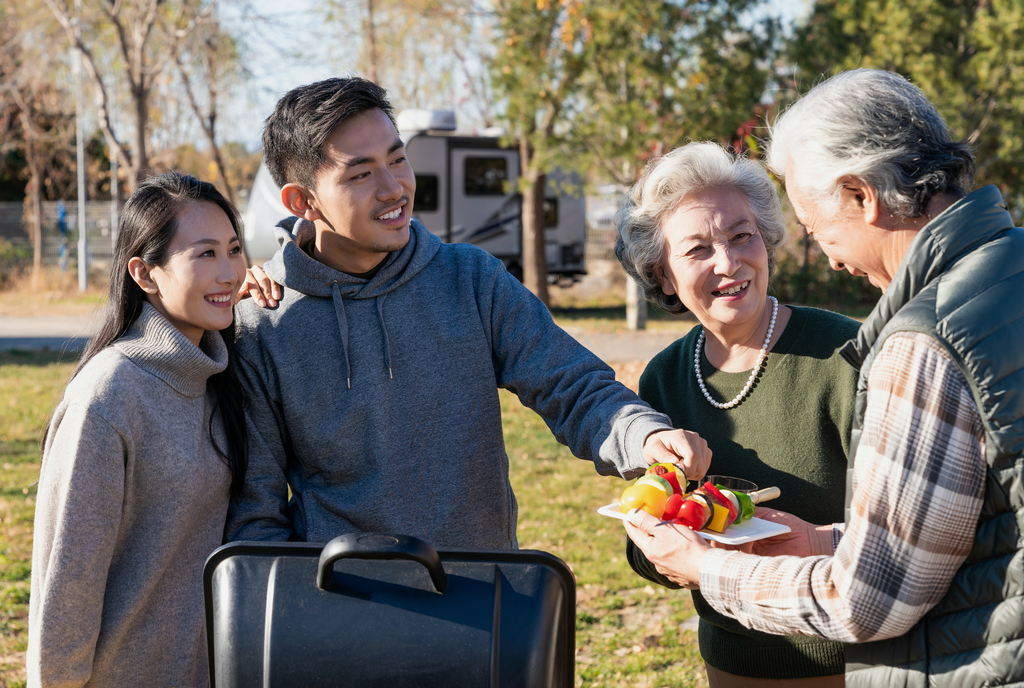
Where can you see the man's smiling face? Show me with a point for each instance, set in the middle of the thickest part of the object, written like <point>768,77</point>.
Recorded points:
<point>364,191</point>
<point>849,242</point>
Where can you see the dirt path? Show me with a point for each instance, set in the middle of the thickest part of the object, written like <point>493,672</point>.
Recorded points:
<point>628,351</point>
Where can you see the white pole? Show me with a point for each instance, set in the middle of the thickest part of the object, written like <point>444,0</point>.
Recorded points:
<point>83,245</point>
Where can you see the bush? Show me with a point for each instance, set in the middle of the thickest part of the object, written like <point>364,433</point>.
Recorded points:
<point>14,253</point>
<point>14,258</point>
<point>813,282</point>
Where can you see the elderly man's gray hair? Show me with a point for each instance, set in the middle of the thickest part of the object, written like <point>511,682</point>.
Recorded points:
<point>877,127</point>
<point>690,169</point>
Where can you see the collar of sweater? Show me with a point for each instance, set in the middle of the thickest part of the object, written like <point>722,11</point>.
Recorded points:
<point>964,226</point>
<point>295,269</point>
<point>159,348</point>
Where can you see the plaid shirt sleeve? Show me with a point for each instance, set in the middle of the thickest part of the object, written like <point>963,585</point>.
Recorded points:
<point>917,491</point>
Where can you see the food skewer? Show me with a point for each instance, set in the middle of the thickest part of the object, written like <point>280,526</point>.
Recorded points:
<point>708,506</point>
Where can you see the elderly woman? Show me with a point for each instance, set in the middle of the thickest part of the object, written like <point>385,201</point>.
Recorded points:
<point>760,381</point>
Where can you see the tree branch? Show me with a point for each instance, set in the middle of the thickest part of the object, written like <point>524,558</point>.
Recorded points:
<point>61,12</point>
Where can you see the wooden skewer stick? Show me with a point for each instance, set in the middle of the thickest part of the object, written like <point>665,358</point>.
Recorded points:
<point>764,495</point>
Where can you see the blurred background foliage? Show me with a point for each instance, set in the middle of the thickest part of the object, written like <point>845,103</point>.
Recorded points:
<point>598,87</point>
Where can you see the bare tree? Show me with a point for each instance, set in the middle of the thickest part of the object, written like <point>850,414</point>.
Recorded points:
<point>33,120</point>
<point>210,58</point>
<point>430,45</point>
<point>136,38</point>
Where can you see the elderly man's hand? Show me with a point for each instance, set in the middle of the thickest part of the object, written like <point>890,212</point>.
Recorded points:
<point>675,550</point>
<point>803,539</point>
<point>686,448</point>
<point>258,285</point>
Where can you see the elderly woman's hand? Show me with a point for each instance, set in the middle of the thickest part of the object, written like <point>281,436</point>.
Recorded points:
<point>675,550</point>
<point>684,447</point>
<point>803,539</point>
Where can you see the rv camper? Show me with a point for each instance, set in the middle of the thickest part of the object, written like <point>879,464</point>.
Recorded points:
<point>465,191</point>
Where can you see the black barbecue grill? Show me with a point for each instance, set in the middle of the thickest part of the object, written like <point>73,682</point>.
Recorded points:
<point>388,610</point>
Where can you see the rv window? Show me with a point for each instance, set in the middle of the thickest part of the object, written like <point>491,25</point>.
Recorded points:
<point>550,212</point>
<point>486,176</point>
<point>426,193</point>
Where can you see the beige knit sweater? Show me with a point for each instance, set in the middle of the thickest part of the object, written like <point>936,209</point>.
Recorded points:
<point>132,499</point>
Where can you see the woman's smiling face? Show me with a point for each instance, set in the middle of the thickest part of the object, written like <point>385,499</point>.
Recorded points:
<point>715,260</point>
<point>197,284</point>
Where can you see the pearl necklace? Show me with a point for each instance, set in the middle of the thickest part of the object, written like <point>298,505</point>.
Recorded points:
<point>761,357</point>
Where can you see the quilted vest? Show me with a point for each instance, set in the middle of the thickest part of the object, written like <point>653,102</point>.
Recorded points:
<point>962,283</point>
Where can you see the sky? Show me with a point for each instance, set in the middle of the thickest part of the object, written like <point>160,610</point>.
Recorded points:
<point>288,51</point>
<point>289,47</point>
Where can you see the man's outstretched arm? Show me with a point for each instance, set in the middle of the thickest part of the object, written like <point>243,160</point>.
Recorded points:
<point>576,393</point>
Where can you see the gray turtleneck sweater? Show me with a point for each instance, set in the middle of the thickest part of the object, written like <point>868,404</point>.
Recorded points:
<point>132,499</point>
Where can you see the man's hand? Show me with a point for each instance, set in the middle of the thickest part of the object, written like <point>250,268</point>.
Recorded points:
<point>803,540</point>
<point>686,448</point>
<point>675,550</point>
<point>266,291</point>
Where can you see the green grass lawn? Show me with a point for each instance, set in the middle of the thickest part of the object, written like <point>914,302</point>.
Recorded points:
<point>628,632</point>
<point>30,385</point>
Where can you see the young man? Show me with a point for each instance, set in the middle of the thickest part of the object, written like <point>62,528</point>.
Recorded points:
<point>374,382</point>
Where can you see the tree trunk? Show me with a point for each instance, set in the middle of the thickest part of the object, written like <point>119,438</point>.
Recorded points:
<point>535,264</point>
<point>371,36</point>
<point>37,232</point>
<point>140,158</point>
<point>36,199</point>
<point>218,160</point>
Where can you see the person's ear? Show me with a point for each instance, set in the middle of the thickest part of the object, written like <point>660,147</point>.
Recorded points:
<point>861,198</point>
<point>300,202</point>
<point>142,273</point>
<point>666,284</point>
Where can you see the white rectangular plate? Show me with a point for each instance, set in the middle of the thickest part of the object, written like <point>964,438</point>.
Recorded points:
<point>754,529</point>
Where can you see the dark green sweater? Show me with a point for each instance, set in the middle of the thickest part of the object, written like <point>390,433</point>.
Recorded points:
<point>792,431</point>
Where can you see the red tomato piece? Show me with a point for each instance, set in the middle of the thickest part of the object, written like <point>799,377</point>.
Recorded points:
<point>691,514</point>
<point>672,505</point>
<point>721,499</point>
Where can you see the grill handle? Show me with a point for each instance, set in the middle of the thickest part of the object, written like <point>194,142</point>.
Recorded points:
<point>380,546</point>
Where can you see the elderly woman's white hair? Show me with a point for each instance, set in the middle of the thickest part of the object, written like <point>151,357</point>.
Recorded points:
<point>877,127</point>
<point>687,170</point>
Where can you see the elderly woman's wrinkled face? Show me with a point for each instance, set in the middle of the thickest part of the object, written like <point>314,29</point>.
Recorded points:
<point>715,260</point>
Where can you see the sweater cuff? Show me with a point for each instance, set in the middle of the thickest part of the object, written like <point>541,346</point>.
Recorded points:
<point>639,429</point>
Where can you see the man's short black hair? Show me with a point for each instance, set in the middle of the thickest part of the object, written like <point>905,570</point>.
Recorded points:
<point>295,133</point>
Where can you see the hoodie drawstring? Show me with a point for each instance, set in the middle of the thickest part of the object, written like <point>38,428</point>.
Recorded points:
<point>339,311</point>
<point>384,329</point>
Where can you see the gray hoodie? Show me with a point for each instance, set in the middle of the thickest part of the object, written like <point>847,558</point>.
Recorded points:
<point>377,402</point>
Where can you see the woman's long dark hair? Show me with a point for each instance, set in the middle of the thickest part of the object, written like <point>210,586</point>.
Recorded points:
<point>146,230</point>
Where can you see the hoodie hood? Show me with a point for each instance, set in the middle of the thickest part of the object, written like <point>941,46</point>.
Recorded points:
<point>295,269</point>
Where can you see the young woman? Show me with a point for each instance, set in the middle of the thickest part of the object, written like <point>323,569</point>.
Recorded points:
<point>143,454</point>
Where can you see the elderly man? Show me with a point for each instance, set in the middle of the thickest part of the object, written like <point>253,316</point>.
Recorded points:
<point>926,578</point>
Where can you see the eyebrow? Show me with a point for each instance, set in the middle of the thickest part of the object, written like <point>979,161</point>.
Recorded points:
<point>730,228</point>
<point>211,242</point>
<point>354,162</point>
